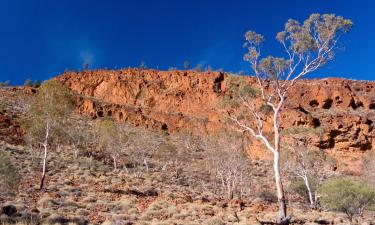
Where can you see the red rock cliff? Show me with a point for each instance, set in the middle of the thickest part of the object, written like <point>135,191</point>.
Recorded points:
<point>341,113</point>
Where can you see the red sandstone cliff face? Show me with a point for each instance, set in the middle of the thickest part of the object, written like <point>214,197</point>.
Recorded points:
<point>12,105</point>
<point>339,113</point>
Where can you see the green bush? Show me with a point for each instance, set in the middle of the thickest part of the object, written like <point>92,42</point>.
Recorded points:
<point>266,109</point>
<point>347,196</point>
<point>9,177</point>
<point>28,83</point>
<point>298,187</point>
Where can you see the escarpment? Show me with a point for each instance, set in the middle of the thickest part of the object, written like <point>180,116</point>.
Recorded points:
<point>337,114</point>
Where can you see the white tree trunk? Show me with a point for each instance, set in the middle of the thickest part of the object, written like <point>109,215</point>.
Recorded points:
<point>114,163</point>
<point>45,145</point>
<point>146,164</point>
<point>311,199</point>
<point>276,166</point>
<point>76,153</point>
<point>279,187</point>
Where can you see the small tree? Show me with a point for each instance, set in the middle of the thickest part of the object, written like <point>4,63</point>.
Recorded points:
<point>347,196</point>
<point>230,165</point>
<point>186,65</point>
<point>198,68</point>
<point>142,65</point>
<point>112,139</point>
<point>36,84</point>
<point>9,177</point>
<point>47,117</point>
<point>308,46</point>
<point>28,83</point>
<point>308,165</point>
<point>5,83</point>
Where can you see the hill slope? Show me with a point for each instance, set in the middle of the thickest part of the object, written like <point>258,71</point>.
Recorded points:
<point>337,113</point>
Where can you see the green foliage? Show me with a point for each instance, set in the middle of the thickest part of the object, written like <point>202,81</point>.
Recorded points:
<point>112,138</point>
<point>302,36</point>
<point>142,65</point>
<point>28,83</point>
<point>31,83</point>
<point>9,177</point>
<point>53,101</point>
<point>273,66</point>
<point>314,41</point>
<point>237,88</point>
<point>347,196</point>
<point>186,65</point>
<point>300,130</point>
<point>228,101</point>
<point>52,105</point>
<point>247,91</point>
<point>5,83</point>
<point>36,84</point>
<point>298,187</point>
<point>266,109</point>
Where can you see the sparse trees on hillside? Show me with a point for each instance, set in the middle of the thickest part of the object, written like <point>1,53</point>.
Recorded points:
<point>31,83</point>
<point>311,166</point>
<point>308,46</point>
<point>112,139</point>
<point>46,118</point>
<point>231,167</point>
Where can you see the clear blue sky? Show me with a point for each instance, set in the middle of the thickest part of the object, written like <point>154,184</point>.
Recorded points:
<point>39,39</point>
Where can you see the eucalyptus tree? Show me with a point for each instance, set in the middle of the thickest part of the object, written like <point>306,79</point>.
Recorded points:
<point>308,47</point>
<point>46,120</point>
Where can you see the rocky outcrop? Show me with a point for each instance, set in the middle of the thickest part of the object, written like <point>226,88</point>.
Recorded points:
<point>10,130</point>
<point>11,107</point>
<point>338,114</point>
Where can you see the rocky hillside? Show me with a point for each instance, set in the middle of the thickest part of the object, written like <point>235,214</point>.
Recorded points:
<point>338,112</point>
<point>178,187</point>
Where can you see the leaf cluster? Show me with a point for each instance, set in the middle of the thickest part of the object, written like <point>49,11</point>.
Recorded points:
<point>52,104</point>
<point>347,196</point>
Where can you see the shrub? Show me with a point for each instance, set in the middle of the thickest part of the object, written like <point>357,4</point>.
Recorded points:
<point>213,221</point>
<point>298,187</point>
<point>347,196</point>
<point>268,196</point>
<point>36,84</point>
<point>9,177</point>
<point>28,83</point>
<point>186,65</point>
<point>266,109</point>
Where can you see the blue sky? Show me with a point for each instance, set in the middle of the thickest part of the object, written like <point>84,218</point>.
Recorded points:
<point>39,39</point>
